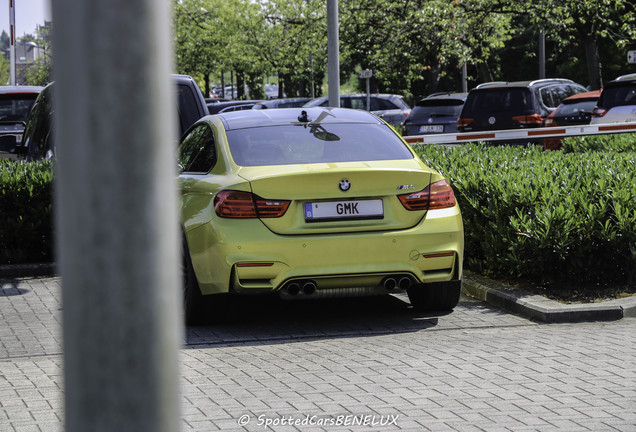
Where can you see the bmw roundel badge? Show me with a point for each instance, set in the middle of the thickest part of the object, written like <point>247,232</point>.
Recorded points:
<point>492,120</point>
<point>344,185</point>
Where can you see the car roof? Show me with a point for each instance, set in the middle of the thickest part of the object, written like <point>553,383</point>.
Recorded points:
<point>20,89</point>
<point>274,102</point>
<point>591,95</point>
<point>540,82</point>
<point>622,79</point>
<point>628,77</point>
<point>446,95</point>
<point>288,116</point>
<point>381,95</point>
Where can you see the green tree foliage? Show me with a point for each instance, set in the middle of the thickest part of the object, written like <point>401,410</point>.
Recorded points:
<point>4,70</point>
<point>590,24</point>
<point>252,38</point>
<point>414,47</point>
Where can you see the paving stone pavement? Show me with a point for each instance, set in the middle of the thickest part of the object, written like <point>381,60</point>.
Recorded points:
<point>350,365</point>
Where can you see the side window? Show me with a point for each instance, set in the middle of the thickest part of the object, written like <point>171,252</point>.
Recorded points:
<point>559,93</point>
<point>345,102</point>
<point>378,104</point>
<point>359,103</point>
<point>38,134</point>
<point>546,97</point>
<point>197,152</point>
<point>186,107</point>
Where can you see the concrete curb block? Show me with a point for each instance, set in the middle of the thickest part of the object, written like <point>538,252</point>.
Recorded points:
<point>540,308</point>
<point>27,270</point>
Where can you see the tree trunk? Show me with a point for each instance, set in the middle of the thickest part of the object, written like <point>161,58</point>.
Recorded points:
<point>240,85</point>
<point>593,62</point>
<point>433,79</point>
<point>484,72</point>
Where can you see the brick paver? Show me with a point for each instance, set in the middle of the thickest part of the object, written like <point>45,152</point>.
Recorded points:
<point>338,364</point>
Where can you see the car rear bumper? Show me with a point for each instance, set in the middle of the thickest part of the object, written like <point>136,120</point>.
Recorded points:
<point>246,257</point>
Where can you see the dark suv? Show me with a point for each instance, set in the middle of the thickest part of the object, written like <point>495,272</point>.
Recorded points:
<point>437,113</point>
<point>37,142</point>
<point>514,105</point>
<point>15,105</point>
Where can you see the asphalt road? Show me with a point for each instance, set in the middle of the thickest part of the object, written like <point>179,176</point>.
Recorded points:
<point>350,364</point>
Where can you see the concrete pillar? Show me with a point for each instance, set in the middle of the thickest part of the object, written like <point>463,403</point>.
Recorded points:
<point>116,216</point>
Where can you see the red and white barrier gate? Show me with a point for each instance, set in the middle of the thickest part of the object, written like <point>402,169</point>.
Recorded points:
<point>521,134</point>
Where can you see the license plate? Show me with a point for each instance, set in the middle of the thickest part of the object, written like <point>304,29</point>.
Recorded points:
<point>338,210</point>
<point>432,129</point>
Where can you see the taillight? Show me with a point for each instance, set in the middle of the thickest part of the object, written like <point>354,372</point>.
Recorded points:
<point>529,120</point>
<point>438,195</point>
<point>599,112</point>
<point>240,204</point>
<point>464,122</point>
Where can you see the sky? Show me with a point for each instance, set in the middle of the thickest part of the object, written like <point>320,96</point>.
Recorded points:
<point>28,15</point>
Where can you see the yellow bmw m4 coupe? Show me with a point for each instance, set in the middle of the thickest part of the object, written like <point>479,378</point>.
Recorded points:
<point>310,203</point>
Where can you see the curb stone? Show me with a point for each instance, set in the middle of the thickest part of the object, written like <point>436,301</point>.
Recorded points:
<point>27,270</point>
<point>540,308</point>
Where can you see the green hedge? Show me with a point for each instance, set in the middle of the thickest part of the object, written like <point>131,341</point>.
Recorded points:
<point>26,230</point>
<point>608,143</point>
<point>545,216</point>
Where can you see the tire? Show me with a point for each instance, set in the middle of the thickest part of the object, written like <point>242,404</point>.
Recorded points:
<point>197,308</point>
<point>435,296</point>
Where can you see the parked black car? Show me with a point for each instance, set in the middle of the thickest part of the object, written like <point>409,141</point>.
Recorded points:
<point>389,107</point>
<point>514,105</point>
<point>282,103</point>
<point>437,113</point>
<point>233,105</point>
<point>15,105</point>
<point>38,143</point>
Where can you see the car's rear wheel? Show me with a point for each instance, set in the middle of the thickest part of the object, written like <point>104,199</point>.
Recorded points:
<point>199,309</point>
<point>435,296</point>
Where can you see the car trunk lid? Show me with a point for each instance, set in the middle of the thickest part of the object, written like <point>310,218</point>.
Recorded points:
<point>340,197</point>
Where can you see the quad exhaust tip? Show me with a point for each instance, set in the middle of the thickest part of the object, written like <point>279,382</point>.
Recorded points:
<point>309,287</point>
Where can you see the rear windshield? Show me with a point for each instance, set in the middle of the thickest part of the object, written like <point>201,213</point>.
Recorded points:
<point>618,95</point>
<point>512,100</point>
<point>436,108</point>
<point>325,143</point>
<point>575,109</point>
<point>16,107</point>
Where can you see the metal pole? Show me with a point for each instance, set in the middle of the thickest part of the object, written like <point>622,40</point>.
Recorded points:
<point>12,42</point>
<point>116,214</point>
<point>464,78</point>
<point>333,54</point>
<point>542,55</point>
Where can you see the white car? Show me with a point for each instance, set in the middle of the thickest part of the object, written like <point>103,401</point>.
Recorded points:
<point>617,103</point>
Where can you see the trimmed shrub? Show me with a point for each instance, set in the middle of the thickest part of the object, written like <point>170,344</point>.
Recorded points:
<point>544,216</point>
<point>608,143</point>
<point>26,206</point>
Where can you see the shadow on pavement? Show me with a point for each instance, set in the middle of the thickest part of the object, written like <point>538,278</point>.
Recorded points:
<point>268,319</point>
<point>10,288</point>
